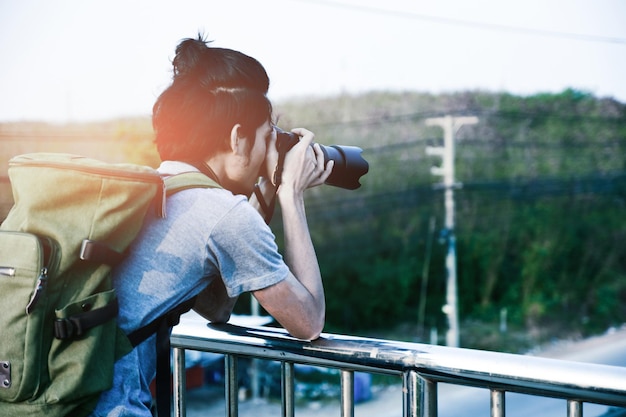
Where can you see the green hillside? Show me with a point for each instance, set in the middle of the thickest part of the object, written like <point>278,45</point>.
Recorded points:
<point>540,226</point>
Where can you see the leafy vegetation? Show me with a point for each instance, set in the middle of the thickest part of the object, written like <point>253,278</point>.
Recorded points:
<point>539,219</point>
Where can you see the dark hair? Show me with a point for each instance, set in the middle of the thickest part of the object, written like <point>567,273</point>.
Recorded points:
<point>212,90</point>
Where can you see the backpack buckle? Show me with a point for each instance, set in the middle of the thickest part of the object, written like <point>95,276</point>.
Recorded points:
<point>98,252</point>
<point>67,328</point>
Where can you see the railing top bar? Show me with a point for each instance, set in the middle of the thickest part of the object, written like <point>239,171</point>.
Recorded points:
<point>550,377</point>
<point>275,344</point>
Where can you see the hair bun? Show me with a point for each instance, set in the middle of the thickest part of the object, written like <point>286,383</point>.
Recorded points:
<point>216,69</point>
<point>188,55</point>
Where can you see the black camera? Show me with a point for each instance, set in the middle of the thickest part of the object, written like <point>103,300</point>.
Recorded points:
<point>349,164</point>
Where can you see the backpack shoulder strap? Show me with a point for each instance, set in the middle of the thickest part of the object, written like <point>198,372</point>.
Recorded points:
<point>97,252</point>
<point>162,325</point>
<point>174,184</point>
<point>187,180</point>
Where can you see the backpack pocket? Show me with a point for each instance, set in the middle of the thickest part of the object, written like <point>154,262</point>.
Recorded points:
<point>23,281</point>
<point>83,366</point>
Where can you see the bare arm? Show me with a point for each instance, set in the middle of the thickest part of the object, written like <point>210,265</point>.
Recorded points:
<point>298,303</point>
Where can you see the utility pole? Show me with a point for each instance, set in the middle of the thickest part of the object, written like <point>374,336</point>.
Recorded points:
<point>450,126</point>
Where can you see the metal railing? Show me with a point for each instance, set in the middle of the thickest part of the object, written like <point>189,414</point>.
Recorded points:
<point>421,367</point>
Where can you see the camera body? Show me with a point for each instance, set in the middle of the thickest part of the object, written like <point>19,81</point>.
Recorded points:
<point>349,167</point>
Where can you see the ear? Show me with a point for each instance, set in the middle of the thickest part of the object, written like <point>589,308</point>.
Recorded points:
<point>237,141</point>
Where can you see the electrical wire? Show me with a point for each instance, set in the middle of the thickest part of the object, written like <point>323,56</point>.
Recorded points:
<point>471,24</point>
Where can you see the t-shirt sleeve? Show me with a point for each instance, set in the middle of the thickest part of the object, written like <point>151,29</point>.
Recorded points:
<point>245,251</point>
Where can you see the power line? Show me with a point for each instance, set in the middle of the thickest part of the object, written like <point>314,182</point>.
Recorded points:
<point>518,190</point>
<point>492,113</point>
<point>471,24</point>
<point>397,206</point>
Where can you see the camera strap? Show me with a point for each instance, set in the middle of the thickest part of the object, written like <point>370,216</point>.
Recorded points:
<point>282,148</point>
<point>268,209</point>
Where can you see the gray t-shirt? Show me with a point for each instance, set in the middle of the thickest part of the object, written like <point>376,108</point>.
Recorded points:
<point>207,234</point>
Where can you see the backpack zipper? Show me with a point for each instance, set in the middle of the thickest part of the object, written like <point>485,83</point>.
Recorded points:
<point>49,264</point>
<point>42,282</point>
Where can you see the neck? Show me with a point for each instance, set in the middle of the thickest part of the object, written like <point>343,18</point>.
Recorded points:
<point>206,169</point>
<point>215,170</point>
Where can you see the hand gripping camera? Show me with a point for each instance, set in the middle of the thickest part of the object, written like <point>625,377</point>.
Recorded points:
<point>349,164</point>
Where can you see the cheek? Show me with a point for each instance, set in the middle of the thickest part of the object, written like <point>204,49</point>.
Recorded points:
<point>261,151</point>
<point>258,156</point>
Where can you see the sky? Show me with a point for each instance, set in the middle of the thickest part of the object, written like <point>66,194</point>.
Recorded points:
<point>80,60</point>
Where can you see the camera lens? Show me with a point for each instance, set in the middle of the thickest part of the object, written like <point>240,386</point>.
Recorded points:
<point>349,167</point>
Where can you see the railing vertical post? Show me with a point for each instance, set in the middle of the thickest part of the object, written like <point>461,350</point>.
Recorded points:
<point>231,386</point>
<point>287,384</point>
<point>254,377</point>
<point>419,395</point>
<point>409,393</point>
<point>180,383</point>
<point>347,393</point>
<point>428,400</point>
<point>498,405</point>
<point>574,408</point>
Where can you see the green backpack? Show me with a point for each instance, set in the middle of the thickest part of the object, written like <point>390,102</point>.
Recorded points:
<point>73,219</point>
